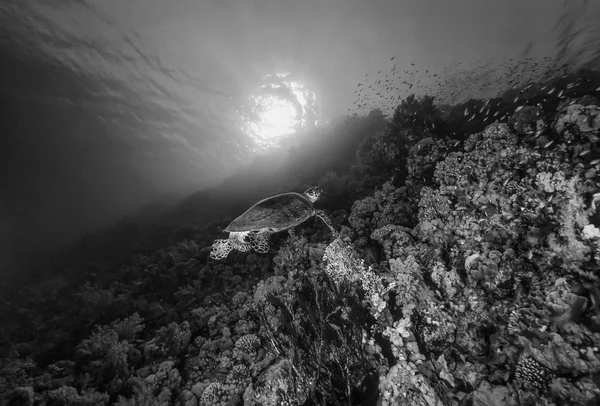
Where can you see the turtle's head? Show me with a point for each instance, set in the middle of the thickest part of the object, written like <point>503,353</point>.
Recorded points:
<point>313,193</point>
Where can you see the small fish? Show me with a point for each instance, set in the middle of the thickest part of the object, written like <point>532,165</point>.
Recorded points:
<point>518,108</point>
<point>595,161</point>
<point>548,144</point>
<point>582,153</point>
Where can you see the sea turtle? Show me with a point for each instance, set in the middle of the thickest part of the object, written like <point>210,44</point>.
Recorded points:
<point>276,213</point>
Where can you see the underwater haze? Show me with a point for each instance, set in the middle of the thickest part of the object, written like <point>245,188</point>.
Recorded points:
<point>109,106</point>
<point>434,164</point>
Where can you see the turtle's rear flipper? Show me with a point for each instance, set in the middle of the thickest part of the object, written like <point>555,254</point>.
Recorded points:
<point>260,241</point>
<point>292,232</point>
<point>220,249</point>
<point>321,214</point>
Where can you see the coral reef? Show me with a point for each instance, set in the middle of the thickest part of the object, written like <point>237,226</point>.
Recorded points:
<point>465,272</point>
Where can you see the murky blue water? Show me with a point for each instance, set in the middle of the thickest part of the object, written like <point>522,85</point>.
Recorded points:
<point>109,105</point>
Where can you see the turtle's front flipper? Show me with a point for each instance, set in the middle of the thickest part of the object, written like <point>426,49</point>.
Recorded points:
<point>321,214</point>
<point>260,241</point>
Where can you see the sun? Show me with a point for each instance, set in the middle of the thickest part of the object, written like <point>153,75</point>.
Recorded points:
<point>278,117</point>
<point>279,107</point>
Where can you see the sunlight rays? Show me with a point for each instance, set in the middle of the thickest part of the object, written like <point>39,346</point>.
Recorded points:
<point>280,107</point>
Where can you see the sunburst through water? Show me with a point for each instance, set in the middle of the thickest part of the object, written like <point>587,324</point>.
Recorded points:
<point>280,107</point>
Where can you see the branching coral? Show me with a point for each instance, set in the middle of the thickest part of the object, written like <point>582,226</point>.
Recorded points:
<point>410,286</point>
<point>566,244</point>
<point>319,329</point>
<point>447,280</point>
<point>388,205</point>
<point>585,119</point>
<point>248,344</point>
<point>103,353</point>
<point>282,384</point>
<point>343,266</point>
<point>362,211</point>
<point>397,241</point>
<point>423,157</point>
<point>128,328</point>
<point>404,383</point>
<point>216,394</point>
<point>293,254</point>
<point>67,395</point>
<point>525,121</point>
<point>170,340</point>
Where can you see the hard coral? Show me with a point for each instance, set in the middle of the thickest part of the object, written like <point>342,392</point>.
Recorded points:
<point>293,255</point>
<point>170,340</point>
<point>215,394</point>
<point>584,119</point>
<point>529,371</point>
<point>411,289</point>
<point>396,240</point>
<point>388,205</point>
<point>248,344</point>
<point>564,305</point>
<point>281,384</point>
<point>484,266</point>
<point>67,395</point>
<point>404,383</point>
<point>525,121</point>
<point>423,157</point>
<point>344,266</point>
